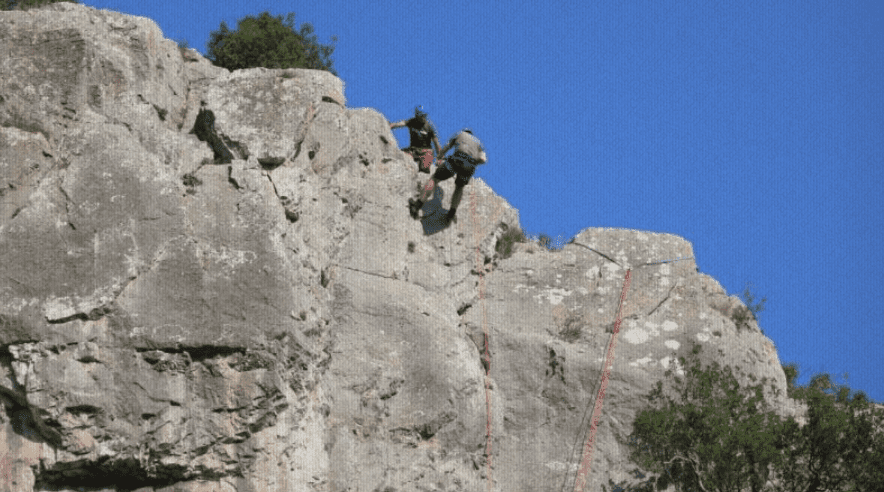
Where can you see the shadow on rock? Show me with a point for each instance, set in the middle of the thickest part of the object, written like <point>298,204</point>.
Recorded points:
<point>204,129</point>
<point>433,219</point>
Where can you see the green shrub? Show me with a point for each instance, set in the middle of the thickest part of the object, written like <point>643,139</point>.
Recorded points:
<point>749,298</point>
<point>710,430</point>
<point>743,315</point>
<point>183,46</point>
<point>506,242</point>
<point>270,42</point>
<point>550,244</point>
<point>572,331</point>
<point>841,443</point>
<point>547,242</point>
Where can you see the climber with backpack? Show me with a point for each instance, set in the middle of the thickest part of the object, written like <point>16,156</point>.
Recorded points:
<point>422,134</point>
<point>468,154</point>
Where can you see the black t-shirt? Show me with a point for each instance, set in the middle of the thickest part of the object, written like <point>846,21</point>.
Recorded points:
<point>421,133</point>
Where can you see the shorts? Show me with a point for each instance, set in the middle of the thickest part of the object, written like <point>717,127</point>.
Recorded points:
<point>458,164</point>
<point>423,157</point>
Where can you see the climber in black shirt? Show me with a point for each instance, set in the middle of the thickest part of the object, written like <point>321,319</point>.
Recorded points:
<point>422,134</point>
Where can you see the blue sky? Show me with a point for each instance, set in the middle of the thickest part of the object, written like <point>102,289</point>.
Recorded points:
<point>753,131</point>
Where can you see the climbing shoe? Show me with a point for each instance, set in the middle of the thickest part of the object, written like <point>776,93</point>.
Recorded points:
<point>414,207</point>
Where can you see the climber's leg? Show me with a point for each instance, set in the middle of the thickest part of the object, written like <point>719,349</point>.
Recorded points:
<point>442,173</point>
<point>455,199</point>
<point>425,160</point>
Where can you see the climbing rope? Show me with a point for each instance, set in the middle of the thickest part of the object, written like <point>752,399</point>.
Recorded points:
<point>486,355</point>
<point>580,436</point>
<point>599,389</point>
<point>586,462</point>
<point>597,401</point>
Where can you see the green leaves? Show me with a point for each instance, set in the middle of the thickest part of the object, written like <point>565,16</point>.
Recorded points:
<point>505,244</point>
<point>270,42</point>
<point>742,316</point>
<point>840,447</point>
<point>711,434</point>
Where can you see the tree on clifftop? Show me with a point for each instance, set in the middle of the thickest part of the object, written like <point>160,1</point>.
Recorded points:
<point>270,42</point>
<point>28,4</point>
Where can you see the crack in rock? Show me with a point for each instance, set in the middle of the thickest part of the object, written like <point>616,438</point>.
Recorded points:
<point>392,277</point>
<point>301,132</point>
<point>16,403</point>
<point>598,253</point>
<point>664,299</point>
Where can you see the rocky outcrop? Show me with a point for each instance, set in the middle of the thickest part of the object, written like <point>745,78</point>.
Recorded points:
<point>279,322</point>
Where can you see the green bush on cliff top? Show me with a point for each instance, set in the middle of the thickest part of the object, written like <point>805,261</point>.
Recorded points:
<point>270,42</point>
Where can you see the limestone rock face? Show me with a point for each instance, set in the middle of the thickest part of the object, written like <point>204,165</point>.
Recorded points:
<point>280,323</point>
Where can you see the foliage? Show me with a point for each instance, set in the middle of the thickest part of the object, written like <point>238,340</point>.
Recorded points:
<point>753,307</point>
<point>507,240</point>
<point>744,314</point>
<point>714,435</point>
<point>182,44</point>
<point>271,42</point>
<point>647,485</point>
<point>573,329</point>
<point>28,4</point>
<point>548,242</point>
<point>791,372</point>
<point>841,448</point>
<point>543,240</point>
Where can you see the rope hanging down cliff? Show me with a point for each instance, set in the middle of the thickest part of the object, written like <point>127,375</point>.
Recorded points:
<point>486,352</point>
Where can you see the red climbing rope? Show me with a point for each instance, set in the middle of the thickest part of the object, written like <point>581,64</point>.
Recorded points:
<point>486,355</point>
<point>583,473</point>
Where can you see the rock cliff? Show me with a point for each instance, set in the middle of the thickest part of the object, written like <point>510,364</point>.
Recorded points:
<point>279,322</point>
